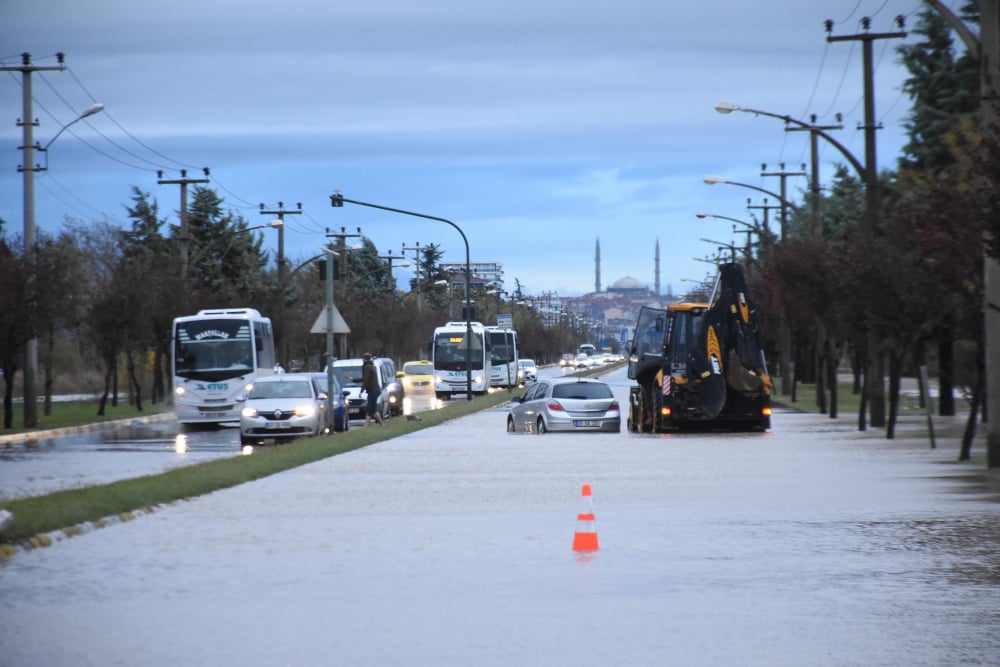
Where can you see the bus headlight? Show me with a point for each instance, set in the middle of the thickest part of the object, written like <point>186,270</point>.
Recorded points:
<point>180,391</point>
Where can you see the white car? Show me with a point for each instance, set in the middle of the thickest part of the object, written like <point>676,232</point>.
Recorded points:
<point>281,407</point>
<point>527,371</point>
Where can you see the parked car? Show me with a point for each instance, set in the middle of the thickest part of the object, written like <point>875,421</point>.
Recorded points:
<point>418,384</point>
<point>281,407</point>
<point>340,421</point>
<point>527,371</point>
<point>565,404</point>
<point>390,399</point>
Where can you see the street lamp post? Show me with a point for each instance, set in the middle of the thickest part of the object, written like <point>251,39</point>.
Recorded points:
<point>722,244</point>
<point>711,179</point>
<point>876,371</point>
<point>337,200</point>
<point>750,229</point>
<point>29,169</point>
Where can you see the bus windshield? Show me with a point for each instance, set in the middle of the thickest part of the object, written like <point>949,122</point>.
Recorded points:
<point>213,350</point>
<point>451,351</point>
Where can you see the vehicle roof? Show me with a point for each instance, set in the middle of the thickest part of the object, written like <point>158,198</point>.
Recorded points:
<point>282,377</point>
<point>575,380</point>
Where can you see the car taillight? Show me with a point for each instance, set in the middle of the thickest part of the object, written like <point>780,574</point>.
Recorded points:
<point>555,406</point>
<point>613,406</point>
<point>766,411</point>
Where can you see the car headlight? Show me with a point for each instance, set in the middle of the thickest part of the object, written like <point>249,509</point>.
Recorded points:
<point>307,410</point>
<point>180,391</point>
<point>249,412</point>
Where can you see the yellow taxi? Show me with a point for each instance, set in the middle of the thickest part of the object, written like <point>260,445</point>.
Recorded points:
<point>418,381</point>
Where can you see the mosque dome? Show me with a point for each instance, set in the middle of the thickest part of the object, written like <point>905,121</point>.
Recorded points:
<point>626,284</point>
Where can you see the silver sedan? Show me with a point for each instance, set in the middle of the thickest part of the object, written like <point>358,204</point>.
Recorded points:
<point>281,407</point>
<point>565,404</point>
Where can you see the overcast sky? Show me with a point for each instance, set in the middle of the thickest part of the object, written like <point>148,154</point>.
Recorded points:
<point>537,127</point>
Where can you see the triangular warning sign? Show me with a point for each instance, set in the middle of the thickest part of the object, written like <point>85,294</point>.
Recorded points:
<point>339,324</point>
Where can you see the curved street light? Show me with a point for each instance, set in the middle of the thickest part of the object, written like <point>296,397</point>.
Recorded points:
<point>337,200</point>
<point>726,107</point>
<point>706,214</point>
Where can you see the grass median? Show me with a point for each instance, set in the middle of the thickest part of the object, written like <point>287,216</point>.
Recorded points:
<point>63,510</point>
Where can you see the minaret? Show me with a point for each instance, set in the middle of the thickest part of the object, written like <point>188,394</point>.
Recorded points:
<point>597,267</point>
<point>656,268</point>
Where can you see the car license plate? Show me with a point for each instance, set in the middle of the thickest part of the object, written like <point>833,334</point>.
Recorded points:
<point>584,423</point>
<point>277,425</point>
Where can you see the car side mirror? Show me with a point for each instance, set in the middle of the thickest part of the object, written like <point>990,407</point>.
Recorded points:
<point>322,396</point>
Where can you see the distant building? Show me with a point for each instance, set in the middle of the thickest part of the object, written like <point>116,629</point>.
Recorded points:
<point>482,272</point>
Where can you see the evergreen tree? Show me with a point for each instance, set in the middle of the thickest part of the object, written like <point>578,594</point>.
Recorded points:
<point>944,90</point>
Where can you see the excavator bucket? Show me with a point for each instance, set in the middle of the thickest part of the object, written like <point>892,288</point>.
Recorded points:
<point>728,354</point>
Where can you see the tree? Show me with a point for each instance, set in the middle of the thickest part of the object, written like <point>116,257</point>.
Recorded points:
<point>152,253</point>
<point>14,329</point>
<point>226,264</point>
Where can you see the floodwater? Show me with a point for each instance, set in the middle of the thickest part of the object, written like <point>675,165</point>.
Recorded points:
<point>809,545</point>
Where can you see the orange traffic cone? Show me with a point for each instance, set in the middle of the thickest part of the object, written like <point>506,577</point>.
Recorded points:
<point>586,532</point>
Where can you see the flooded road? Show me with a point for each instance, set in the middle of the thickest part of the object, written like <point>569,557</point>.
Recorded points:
<point>809,545</point>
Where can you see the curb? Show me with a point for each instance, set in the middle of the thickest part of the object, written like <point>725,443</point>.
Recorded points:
<point>28,438</point>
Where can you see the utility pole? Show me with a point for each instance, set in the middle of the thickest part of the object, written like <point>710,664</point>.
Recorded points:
<point>875,377</point>
<point>390,258</point>
<point>783,175</point>
<point>183,181</point>
<point>281,212</point>
<point>765,207</point>
<point>28,169</point>
<point>815,220</point>
<point>341,237</point>
<point>416,260</point>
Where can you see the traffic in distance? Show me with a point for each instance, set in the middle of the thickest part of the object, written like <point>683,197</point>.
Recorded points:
<point>694,365</point>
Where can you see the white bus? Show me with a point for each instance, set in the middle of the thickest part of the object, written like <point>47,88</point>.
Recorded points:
<point>457,362</point>
<point>215,356</point>
<point>503,357</point>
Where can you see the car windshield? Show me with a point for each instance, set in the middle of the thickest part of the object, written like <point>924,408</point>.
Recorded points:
<point>581,390</point>
<point>284,389</point>
<point>348,376</point>
<point>417,369</point>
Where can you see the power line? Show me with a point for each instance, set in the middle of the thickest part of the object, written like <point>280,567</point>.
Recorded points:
<point>123,129</point>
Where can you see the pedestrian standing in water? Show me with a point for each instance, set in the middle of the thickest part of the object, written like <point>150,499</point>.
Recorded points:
<point>370,385</point>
